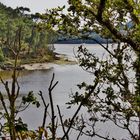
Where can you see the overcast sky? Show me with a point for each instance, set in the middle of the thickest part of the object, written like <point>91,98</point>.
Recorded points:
<point>35,5</point>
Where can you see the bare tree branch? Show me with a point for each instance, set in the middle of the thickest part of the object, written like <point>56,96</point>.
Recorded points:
<point>51,87</point>
<point>62,124</point>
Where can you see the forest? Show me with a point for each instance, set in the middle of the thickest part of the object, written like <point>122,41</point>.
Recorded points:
<point>36,39</point>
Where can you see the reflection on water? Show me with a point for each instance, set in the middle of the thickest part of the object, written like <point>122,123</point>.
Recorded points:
<point>5,75</point>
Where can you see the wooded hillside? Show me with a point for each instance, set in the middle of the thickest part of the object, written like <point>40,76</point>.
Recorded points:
<point>19,26</point>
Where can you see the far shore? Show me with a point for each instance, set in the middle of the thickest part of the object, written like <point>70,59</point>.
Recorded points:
<point>60,60</point>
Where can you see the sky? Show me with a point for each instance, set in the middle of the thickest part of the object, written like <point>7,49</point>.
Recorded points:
<point>35,5</point>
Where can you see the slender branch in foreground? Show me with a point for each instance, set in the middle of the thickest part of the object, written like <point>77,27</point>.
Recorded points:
<point>79,107</point>
<point>46,108</point>
<point>51,87</point>
<point>61,120</point>
<point>4,105</point>
<point>45,113</point>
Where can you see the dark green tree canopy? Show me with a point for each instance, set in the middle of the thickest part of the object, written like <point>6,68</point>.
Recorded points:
<point>35,35</point>
<point>115,92</point>
<point>114,19</point>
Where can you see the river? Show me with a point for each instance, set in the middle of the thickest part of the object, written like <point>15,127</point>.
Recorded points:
<point>68,76</point>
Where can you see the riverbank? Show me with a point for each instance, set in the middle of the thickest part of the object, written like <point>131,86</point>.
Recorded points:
<point>38,66</point>
<point>60,59</point>
<point>46,65</point>
<point>6,70</point>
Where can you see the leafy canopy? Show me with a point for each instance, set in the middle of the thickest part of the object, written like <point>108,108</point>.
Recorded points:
<point>114,95</point>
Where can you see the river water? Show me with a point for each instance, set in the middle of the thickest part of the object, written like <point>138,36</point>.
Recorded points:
<point>68,76</point>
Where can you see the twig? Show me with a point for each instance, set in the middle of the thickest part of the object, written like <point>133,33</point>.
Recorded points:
<point>4,105</point>
<point>82,127</point>
<point>6,87</point>
<point>78,109</point>
<point>61,120</point>
<point>46,108</point>
<point>51,87</point>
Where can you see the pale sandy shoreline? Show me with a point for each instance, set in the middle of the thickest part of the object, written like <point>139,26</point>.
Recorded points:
<point>42,66</point>
<point>38,66</point>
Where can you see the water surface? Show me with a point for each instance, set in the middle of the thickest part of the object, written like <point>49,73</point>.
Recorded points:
<point>68,76</point>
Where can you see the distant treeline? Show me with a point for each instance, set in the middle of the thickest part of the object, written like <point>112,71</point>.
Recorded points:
<point>79,41</point>
<point>89,38</point>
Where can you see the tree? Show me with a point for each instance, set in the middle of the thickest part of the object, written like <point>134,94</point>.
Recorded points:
<point>16,36</point>
<point>115,93</point>
<point>35,35</point>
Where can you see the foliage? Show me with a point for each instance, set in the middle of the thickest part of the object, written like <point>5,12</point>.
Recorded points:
<point>115,98</point>
<point>35,36</point>
<point>30,99</point>
<point>11,123</point>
